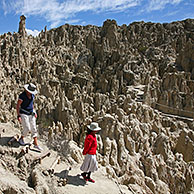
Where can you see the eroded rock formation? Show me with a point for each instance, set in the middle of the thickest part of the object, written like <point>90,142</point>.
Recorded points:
<point>121,77</point>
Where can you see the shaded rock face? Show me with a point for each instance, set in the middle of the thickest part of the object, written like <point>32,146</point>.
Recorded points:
<point>119,76</point>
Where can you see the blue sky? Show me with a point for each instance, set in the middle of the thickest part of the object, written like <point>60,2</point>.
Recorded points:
<point>54,13</point>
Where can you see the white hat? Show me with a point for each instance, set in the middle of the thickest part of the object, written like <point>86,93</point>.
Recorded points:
<point>30,88</point>
<point>94,126</point>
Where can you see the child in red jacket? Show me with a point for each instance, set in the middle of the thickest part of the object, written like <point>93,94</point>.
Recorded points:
<point>90,163</point>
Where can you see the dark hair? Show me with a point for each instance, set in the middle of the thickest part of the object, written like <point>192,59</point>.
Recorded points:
<point>88,131</point>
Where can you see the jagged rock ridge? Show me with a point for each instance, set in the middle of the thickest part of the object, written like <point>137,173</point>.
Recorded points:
<point>121,77</point>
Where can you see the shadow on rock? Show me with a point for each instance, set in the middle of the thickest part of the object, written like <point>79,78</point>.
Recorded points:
<point>73,180</point>
<point>63,174</point>
<point>4,141</point>
<point>76,180</point>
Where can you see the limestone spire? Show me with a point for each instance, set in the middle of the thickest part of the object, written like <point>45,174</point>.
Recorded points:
<point>22,26</point>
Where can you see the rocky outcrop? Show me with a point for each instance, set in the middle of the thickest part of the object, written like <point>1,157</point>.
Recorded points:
<point>121,77</point>
<point>22,26</point>
<point>10,184</point>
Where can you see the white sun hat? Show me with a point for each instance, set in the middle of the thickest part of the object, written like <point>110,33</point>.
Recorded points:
<point>30,88</point>
<point>94,126</point>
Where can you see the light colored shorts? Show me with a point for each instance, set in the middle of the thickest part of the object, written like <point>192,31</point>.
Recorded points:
<point>29,125</point>
<point>90,163</point>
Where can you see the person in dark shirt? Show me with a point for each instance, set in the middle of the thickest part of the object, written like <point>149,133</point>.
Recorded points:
<point>26,114</point>
<point>90,146</point>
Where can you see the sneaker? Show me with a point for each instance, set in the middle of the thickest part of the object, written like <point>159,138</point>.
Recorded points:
<point>38,147</point>
<point>91,180</point>
<point>21,141</point>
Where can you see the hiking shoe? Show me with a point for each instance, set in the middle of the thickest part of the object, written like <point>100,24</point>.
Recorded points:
<point>38,147</point>
<point>21,141</point>
<point>91,180</point>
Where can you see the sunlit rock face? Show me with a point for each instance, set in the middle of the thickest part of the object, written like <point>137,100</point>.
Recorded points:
<point>123,77</point>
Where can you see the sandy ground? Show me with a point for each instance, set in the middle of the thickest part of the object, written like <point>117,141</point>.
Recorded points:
<point>75,183</point>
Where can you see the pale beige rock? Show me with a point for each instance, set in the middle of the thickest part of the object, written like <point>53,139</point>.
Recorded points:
<point>185,143</point>
<point>118,76</point>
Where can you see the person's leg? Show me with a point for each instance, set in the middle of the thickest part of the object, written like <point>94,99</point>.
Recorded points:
<point>89,177</point>
<point>26,127</point>
<point>89,174</point>
<point>34,132</point>
<point>84,175</point>
<point>35,141</point>
<point>33,129</point>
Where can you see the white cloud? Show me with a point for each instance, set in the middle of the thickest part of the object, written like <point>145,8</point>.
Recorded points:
<point>160,4</point>
<point>55,11</point>
<point>32,32</point>
<point>58,12</point>
<point>72,21</point>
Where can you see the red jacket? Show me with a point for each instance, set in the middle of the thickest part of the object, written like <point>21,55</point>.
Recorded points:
<point>90,145</point>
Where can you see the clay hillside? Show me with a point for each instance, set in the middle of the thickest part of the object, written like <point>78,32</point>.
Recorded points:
<point>136,81</point>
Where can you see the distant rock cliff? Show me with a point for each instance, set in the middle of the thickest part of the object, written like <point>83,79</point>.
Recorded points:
<point>121,77</point>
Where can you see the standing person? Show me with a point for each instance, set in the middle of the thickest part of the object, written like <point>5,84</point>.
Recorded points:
<point>26,114</point>
<point>90,163</point>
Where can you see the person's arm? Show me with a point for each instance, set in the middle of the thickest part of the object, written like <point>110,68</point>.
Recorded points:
<point>33,96</point>
<point>87,145</point>
<point>18,109</point>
